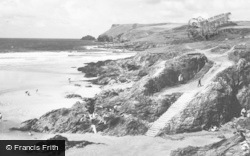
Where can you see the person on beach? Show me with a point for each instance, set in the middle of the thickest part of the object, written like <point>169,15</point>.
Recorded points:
<point>45,129</point>
<point>1,117</point>
<point>69,79</point>
<point>248,113</point>
<point>30,134</point>
<point>36,90</point>
<point>243,112</point>
<point>116,109</point>
<point>180,78</point>
<point>27,93</point>
<point>199,83</point>
<point>214,128</point>
<point>93,126</point>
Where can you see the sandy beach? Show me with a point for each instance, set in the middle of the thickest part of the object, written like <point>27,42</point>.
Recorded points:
<point>45,75</point>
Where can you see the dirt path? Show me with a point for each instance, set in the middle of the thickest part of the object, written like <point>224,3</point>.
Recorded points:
<point>189,90</point>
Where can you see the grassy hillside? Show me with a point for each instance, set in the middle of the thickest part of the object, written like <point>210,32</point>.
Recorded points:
<point>157,33</point>
<point>167,33</point>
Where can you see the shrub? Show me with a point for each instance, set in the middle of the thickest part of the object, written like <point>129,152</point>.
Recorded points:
<point>64,111</point>
<point>105,38</point>
<point>114,120</point>
<point>136,127</point>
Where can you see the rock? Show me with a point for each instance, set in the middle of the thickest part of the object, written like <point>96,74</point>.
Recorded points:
<point>187,65</point>
<point>221,136</point>
<point>88,37</point>
<point>216,105</point>
<point>93,69</point>
<point>26,125</point>
<point>73,96</point>
<point>226,147</point>
<point>77,85</point>
<point>209,108</point>
<point>71,144</point>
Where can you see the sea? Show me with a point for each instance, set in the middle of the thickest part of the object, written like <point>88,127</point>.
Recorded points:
<point>41,45</point>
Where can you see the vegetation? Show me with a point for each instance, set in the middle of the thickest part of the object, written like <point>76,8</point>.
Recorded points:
<point>105,38</point>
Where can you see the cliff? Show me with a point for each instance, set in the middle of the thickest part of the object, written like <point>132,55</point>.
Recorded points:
<point>143,36</point>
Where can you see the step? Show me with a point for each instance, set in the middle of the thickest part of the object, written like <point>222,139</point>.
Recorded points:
<point>177,107</point>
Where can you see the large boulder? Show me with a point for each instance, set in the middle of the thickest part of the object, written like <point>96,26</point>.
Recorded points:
<point>213,106</point>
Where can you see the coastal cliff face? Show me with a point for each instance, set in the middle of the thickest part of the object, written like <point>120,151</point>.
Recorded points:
<point>140,37</point>
<point>143,32</point>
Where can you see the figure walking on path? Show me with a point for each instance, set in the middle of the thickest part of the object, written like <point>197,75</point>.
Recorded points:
<point>30,133</point>
<point>199,83</point>
<point>180,78</point>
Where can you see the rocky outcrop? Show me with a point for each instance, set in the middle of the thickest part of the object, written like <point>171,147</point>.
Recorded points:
<point>187,66</point>
<point>93,69</point>
<point>69,96</point>
<point>226,147</point>
<point>123,70</point>
<point>211,107</point>
<point>72,144</point>
<point>88,37</point>
<point>77,120</point>
<point>216,105</point>
<point>134,107</point>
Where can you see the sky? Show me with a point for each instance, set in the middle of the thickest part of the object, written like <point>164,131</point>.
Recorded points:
<point>77,18</point>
